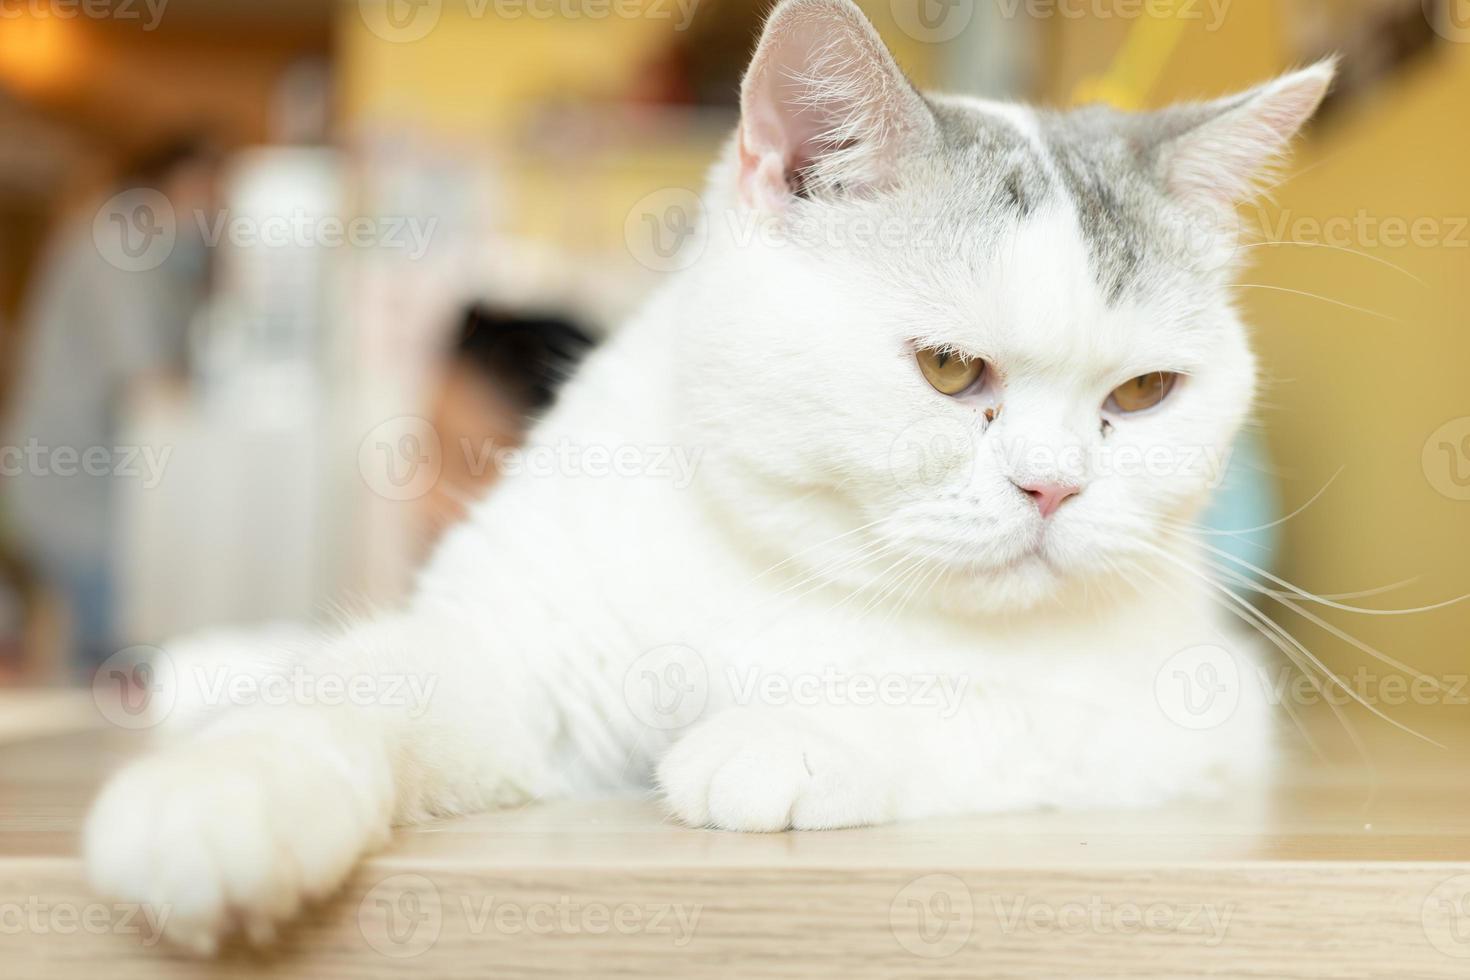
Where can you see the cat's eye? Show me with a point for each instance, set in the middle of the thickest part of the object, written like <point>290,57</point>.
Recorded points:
<point>1142,392</point>
<point>948,372</point>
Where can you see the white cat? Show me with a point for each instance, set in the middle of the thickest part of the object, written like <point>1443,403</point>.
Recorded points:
<point>950,377</point>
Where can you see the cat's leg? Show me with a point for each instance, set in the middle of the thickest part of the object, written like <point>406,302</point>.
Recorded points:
<point>270,804</point>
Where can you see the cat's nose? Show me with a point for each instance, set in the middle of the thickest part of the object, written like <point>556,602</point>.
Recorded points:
<point>1049,496</point>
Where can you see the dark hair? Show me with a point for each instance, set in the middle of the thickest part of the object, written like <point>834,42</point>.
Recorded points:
<point>530,354</point>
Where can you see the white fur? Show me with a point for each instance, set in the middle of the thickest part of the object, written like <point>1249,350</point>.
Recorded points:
<point>804,549</point>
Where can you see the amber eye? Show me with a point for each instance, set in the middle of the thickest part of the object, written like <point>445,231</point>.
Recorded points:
<point>949,373</point>
<point>1144,391</point>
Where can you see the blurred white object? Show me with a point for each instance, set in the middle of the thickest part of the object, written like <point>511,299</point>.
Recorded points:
<point>259,348</point>
<point>230,531</point>
<point>233,528</point>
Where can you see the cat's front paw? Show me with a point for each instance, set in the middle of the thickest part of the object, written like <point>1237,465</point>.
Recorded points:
<point>229,835</point>
<point>751,771</point>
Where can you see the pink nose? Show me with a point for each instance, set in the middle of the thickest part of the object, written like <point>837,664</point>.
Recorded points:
<point>1049,496</point>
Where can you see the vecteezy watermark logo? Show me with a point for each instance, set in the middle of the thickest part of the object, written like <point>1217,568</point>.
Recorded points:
<point>668,687</point>
<point>942,694</point>
<point>404,916</point>
<point>1210,13</point>
<point>400,459</point>
<point>1199,236</point>
<point>401,916</point>
<point>1446,917</point>
<point>37,917</point>
<point>135,230</point>
<point>1096,915</point>
<point>1361,229</point>
<point>1446,459</point>
<point>404,21</point>
<point>665,231</point>
<point>1078,463</point>
<point>138,229</point>
<point>303,229</point>
<point>566,917</point>
<point>400,21</point>
<point>1449,18</point>
<point>1291,686</point>
<point>135,688</point>
<point>936,21</point>
<point>140,687</point>
<point>832,231</point>
<point>148,12</point>
<point>1199,687</point>
<point>933,916</point>
<point>932,21</point>
<point>143,463</point>
<point>675,464</point>
<point>933,454</point>
<point>218,685</point>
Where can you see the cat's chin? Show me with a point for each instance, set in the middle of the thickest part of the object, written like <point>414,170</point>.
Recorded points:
<point>1029,581</point>
<point>1019,583</point>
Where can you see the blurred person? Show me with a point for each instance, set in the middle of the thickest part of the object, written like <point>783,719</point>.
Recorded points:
<point>90,329</point>
<point>502,371</point>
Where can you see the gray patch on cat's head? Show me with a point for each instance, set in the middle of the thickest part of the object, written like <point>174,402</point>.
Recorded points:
<point>983,174</point>
<point>979,178</point>
<point>1009,175</point>
<point>1099,165</point>
<point>1108,162</point>
<point>1104,164</point>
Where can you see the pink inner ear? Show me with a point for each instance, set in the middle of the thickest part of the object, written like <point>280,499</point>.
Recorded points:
<point>822,98</point>
<point>762,176</point>
<point>784,113</point>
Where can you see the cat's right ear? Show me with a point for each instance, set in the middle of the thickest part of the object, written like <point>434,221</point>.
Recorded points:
<point>823,108</point>
<point>1227,149</point>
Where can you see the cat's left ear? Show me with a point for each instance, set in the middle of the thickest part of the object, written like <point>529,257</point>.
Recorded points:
<point>1223,152</point>
<point>823,107</point>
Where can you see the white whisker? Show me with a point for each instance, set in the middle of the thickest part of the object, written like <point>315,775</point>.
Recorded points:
<point>1322,600</point>
<point>1341,248</point>
<point>1325,299</point>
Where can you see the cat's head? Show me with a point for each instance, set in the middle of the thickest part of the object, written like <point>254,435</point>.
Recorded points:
<point>962,347</point>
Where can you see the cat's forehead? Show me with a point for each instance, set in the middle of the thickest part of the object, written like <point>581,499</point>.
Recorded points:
<point>995,153</point>
<point>1004,163</point>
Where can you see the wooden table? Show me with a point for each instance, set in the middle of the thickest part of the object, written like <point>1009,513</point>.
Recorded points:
<point>1339,879</point>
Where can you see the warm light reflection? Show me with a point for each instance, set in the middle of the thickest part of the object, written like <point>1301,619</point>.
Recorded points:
<point>37,54</point>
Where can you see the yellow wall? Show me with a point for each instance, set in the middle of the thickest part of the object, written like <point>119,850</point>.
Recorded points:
<point>472,73</point>
<point>475,70</point>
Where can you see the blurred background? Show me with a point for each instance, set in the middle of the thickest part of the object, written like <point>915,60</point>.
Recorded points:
<point>265,265</point>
